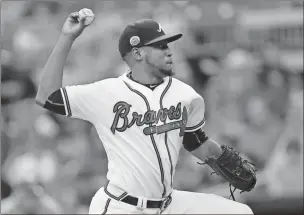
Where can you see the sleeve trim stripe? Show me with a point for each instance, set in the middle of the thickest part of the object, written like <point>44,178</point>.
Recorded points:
<point>197,126</point>
<point>63,97</point>
<point>66,102</point>
<point>55,103</point>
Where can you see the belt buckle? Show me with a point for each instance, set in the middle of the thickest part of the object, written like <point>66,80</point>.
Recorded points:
<point>166,202</point>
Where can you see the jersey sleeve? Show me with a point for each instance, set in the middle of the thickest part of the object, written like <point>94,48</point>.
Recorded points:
<point>196,116</point>
<point>80,101</point>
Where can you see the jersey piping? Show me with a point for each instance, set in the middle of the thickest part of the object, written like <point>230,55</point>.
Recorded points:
<point>196,126</point>
<point>166,135</point>
<point>153,140</point>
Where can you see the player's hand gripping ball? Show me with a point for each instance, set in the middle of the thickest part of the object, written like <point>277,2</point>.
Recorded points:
<point>77,22</point>
<point>87,14</point>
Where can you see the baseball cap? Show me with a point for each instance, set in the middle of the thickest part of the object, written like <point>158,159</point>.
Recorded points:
<point>141,33</point>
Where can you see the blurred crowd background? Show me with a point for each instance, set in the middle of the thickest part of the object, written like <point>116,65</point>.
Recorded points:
<point>244,57</point>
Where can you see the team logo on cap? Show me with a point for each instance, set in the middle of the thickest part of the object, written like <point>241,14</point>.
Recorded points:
<point>159,28</point>
<point>134,40</point>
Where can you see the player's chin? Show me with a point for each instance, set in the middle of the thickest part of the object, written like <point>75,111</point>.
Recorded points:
<point>167,71</point>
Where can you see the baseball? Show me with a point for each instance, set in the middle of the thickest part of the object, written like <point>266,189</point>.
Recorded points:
<point>88,14</point>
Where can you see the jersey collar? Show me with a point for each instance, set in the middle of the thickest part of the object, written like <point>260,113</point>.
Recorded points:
<point>139,86</point>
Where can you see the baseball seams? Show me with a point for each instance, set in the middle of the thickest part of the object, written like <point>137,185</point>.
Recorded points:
<point>88,14</point>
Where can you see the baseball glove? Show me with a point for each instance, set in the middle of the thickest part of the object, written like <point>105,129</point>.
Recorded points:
<point>238,172</point>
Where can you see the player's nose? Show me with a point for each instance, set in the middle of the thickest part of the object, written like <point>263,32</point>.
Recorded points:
<point>168,52</point>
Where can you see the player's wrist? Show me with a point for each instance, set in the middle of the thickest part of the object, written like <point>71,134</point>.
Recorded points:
<point>67,38</point>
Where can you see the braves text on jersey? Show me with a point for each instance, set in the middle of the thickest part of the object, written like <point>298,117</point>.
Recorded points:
<point>141,129</point>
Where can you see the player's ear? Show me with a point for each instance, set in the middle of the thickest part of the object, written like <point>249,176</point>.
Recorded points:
<point>136,53</point>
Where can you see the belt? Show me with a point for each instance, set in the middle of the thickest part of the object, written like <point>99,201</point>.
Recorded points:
<point>132,200</point>
<point>162,204</point>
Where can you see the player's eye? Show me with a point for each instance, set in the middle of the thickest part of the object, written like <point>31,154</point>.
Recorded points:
<point>163,46</point>
<point>160,46</point>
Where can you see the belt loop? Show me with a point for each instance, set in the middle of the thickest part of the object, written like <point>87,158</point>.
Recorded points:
<point>144,202</point>
<point>140,203</point>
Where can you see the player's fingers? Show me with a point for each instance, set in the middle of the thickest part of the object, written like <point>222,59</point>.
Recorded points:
<point>82,19</point>
<point>74,16</point>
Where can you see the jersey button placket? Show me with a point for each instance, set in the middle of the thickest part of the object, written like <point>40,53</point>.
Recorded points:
<point>156,108</point>
<point>161,140</point>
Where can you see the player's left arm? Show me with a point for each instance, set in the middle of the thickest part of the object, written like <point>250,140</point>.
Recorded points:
<point>195,139</point>
<point>223,159</point>
<point>200,145</point>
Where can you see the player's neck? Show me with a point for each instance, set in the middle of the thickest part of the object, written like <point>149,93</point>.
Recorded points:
<point>145,77</point>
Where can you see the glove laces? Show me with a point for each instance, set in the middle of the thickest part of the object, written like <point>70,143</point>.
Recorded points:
<point>231,192</point>
<point>242,161</point>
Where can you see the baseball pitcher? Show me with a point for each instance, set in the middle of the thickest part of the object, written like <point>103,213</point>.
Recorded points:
<point>143,118</point>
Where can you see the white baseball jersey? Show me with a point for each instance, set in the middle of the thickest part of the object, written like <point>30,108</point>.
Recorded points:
<point>141,129</point>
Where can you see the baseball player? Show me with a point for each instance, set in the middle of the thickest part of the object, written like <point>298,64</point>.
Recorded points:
<point>143,118</point>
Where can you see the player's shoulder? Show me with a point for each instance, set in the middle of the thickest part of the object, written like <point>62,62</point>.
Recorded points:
<point>104,83</point>
<point>185,91</point>
<point>109,81</point>
<point>182,86</point>
<point>102,86</point>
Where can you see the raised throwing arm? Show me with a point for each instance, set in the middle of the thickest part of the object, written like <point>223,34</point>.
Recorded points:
<point>53,71</point>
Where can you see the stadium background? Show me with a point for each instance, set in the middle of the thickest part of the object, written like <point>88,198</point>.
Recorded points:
<point>244,57</point>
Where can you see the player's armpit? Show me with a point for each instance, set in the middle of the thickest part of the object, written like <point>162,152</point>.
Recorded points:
<point>193,140</point>
<point>55,103</point>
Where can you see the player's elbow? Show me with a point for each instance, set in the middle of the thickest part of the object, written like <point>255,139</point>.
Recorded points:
<point>40,103</point>
<point>40,99</point>
<point>42,95</point>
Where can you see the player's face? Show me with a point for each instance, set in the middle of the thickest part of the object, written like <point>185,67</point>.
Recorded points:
<point>159,57</point>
